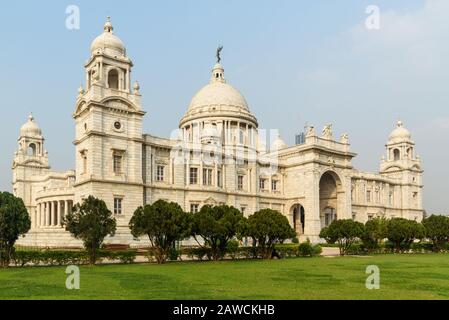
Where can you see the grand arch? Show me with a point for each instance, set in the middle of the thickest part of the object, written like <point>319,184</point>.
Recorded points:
<point>332,198</point>
<point>297,212</point>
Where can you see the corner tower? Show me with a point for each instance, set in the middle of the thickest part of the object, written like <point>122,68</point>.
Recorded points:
<point>30,161</point>
<point>403,165</point>
<point>108,120</point>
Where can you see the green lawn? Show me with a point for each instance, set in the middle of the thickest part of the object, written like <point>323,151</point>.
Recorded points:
<point>423,276</point>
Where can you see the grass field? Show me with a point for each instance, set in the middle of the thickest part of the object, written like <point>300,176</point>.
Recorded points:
<point>423,276</point>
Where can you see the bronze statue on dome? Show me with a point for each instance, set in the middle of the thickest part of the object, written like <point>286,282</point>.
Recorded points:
<point>219,49</point>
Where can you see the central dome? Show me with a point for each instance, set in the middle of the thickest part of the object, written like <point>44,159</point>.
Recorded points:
<point>218,99</point>
<point>218,94</point>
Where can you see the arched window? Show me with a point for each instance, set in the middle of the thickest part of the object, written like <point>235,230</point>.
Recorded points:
<point>396,154</point>
<point>113,79</point>
<point>32,149</point>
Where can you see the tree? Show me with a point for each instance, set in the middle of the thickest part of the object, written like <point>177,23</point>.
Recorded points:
<point>402,232</point>
<point>344,232</point>
<point>437,230</point>
<point>217,226</point>
<point>268,227</point>
<point>14,223</point>
<point>91,221</point>
<point>164,223</point>
<point>374,232</point>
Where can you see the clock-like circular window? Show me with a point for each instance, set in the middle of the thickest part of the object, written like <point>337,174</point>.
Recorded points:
<point>117,125</point>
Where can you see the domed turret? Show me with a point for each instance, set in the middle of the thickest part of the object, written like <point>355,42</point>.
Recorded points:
<point>278,144</point>
<point>30,129</point>
<point>108,42</point>
<point>399,134</point>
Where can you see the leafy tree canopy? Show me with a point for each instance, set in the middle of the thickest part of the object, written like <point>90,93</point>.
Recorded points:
<point>164,223</point>
<point>217,226</point>
<point>91,221</point>
<point>14,222</point>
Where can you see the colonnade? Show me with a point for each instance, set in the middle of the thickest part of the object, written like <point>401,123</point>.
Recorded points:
<point>51,213</point>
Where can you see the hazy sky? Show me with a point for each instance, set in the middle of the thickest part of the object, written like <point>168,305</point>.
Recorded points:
<point>295,62</point>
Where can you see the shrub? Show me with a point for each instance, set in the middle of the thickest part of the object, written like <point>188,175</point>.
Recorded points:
<point>268,227</point>
<point>344,232</point>
<point>173,254</point>
<point>217,226</point>
<point>91,221</point>
<point>356,249</point>
<point>437,230</point>
<point>287,250</point>
<point>232,248</point>
<point>305,249</point>
<point>402,233</point>
<point>164,223</point>
<point>126,257</point>
<point>199,253</point>
<point>374,232</point>
<point>14,222</point>
<point>317,250</point>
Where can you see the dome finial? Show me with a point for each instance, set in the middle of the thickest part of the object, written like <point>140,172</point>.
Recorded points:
<point>108,25</point>
<point>400,124</point>
<point>30,117</point>
<point>218,71</point>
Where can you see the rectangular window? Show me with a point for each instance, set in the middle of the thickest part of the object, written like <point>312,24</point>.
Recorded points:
<point>262,184</point>
<point>368,196</point>
<point>240,182</point>
<point>219,179</point>
<point>207,177</point>
<point>194,207</point>
<point>160,173</point>
<point>193,175</point>
<point>118,205</point>
<point>274,185</point>
<point>84,163</point>
<point>117,162</point>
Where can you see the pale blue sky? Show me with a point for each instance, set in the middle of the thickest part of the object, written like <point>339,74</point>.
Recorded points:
<point>295,61</point>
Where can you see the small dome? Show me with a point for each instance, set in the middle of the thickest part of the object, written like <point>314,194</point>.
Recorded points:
<point>400,134</point>
<point>278,144</point>
<point>30,129</point>
<point>108,42</point>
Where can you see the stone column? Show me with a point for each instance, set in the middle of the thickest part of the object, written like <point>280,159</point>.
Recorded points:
<point>42,214</point>
<point>47,214</point>
<point>38,215</point>
<point>58,214</point>
<point>66,208</point>
<point>52,215</point>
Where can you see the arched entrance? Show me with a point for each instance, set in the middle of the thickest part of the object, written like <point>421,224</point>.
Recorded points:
<point>331,197</point>
<point>299,218</point>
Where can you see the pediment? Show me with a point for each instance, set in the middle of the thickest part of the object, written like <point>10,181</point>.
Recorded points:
<point>119,103</point>
<point>210,201</point>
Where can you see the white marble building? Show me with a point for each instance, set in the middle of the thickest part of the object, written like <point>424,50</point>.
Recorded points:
<point>218,156</point>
